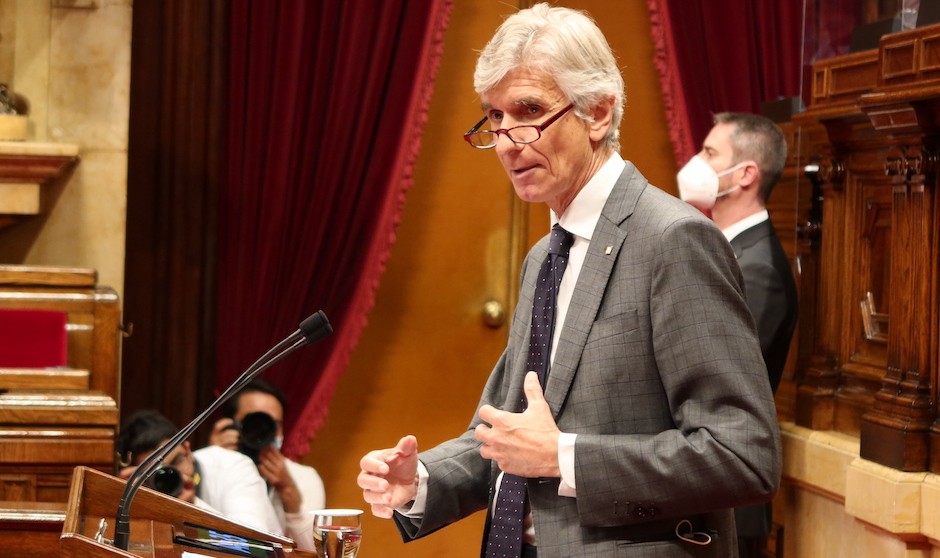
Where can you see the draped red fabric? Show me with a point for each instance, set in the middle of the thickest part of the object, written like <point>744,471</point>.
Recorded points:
<point>723,55</point>
<point>326,111</point>
<point>677,119</point>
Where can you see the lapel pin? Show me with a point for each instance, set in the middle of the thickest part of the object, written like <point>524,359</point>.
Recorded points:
<point>609,250</point>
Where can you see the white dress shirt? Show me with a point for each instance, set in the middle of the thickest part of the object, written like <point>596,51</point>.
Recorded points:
<point>230,485</point>
<point>744,224</point>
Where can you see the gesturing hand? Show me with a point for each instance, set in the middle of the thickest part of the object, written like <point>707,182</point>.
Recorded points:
<point>388,477</point>
<point>526,443</point>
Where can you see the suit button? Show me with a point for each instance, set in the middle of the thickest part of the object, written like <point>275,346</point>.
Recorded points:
<point>639,511</point>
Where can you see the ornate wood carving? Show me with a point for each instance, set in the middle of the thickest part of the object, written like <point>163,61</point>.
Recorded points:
<point>872,370</point>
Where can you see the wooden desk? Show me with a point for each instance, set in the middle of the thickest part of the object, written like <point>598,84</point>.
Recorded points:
<point>31,529</point>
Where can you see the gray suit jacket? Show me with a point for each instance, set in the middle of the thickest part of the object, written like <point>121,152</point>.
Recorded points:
<point>659,373</point>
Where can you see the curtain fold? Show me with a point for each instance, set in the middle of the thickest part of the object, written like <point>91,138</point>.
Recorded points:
<point>683,145</point>
<point>178,86</point>
<point>723,55</point>
<point>327,106</point>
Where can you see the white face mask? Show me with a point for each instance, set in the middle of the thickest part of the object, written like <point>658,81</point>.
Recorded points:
<point>698,183</point>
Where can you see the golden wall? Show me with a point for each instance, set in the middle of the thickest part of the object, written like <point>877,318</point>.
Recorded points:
<point>71,60</point>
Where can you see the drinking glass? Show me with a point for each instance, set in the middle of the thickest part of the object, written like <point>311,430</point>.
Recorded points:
<point>337,532</point>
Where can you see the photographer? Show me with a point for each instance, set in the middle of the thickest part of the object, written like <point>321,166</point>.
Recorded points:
<point>253,425</point>
<point>212,478</point>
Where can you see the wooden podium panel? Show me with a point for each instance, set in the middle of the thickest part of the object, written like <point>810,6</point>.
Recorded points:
<point>31,529</point>
<point>154,516</point>
<point>43,378</point>
<point>45,434</point>
<point>94,331</point>
<point>53,419</point>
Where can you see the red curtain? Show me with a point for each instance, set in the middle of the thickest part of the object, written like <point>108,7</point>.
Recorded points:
<point>328,103</point>
<point>723,55</point>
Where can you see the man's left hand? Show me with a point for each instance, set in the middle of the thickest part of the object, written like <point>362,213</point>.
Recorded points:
<point>526,443</point>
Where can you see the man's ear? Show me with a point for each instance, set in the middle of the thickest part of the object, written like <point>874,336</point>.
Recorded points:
<point>750,176</point>
<point>602,115</point>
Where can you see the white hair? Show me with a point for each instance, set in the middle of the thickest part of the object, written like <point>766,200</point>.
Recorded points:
<point>566,45</point>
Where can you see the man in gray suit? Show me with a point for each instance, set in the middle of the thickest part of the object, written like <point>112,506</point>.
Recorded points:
<point>732,178</point>
<point>656,417</point>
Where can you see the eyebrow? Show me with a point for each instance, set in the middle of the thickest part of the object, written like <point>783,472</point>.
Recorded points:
<point>523,102</point>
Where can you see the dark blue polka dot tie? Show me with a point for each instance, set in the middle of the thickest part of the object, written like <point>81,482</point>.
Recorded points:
<point>505,535</point>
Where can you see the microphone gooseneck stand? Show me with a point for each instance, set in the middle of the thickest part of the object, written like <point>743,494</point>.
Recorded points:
<point>311,330</point>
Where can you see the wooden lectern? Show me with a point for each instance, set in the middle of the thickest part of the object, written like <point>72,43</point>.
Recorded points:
<point>154,519</point>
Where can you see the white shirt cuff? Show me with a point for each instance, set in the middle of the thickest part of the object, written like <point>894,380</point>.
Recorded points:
<point>566,463</point>
<point>416,508</point>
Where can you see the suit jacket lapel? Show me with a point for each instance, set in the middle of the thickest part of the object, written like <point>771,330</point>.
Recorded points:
<point>606,242</point>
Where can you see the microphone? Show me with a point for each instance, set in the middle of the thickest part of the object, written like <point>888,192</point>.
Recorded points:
<point>311,330</point>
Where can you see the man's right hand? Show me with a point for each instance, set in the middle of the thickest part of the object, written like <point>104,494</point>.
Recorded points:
<point>389,477</point>
<point>224,435</point>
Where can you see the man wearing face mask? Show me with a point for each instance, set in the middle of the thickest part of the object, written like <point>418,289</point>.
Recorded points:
<point>294,489</point>
<point>731,179</point>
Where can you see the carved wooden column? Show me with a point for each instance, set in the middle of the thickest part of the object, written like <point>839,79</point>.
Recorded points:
<point>823,388</point>
<point>809,243</point>
<point>818,380</point>
<point>895,431</point>
<point>796,211</point>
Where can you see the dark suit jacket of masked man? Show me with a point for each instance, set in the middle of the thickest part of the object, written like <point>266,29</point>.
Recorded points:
<point>771,295</point>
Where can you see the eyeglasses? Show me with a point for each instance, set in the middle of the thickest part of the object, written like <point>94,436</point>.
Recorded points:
<point>485,139</point>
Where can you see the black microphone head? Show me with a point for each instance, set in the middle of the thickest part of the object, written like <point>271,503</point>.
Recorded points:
<point>315,327</point>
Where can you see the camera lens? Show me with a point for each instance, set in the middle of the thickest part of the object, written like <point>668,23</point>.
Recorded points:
<point>258,430</point>
<point>167,480</point>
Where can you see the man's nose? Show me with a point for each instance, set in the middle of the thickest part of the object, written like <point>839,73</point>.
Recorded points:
<point>504,143</point>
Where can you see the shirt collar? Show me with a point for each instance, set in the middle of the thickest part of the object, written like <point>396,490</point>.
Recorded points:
<point>582,214</point>
<point>744,224</point>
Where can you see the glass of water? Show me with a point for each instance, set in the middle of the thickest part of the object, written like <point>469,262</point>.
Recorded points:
<point>337,532</point>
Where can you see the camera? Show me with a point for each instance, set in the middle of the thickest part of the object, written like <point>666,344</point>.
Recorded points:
<point>256,431</point>
<point>167,479</point>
